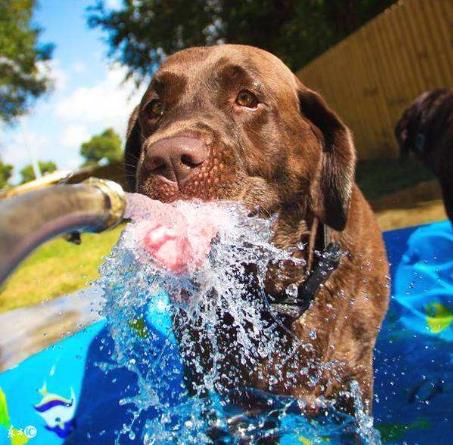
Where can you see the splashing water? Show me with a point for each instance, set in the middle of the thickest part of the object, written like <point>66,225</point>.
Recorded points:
<point>226,332</point>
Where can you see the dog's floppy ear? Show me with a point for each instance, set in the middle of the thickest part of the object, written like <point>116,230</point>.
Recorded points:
<point>331,189</point>
<point>133,149</point>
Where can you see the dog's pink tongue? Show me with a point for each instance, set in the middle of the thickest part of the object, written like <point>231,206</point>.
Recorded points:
<point>181,249</point>
<point>168,247</point>
<point>178,240</point>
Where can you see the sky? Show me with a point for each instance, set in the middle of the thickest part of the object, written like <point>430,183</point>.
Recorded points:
<point>89,94</point>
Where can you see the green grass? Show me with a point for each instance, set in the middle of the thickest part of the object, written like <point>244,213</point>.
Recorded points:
<point>377,178</point>
<point>57,268</point>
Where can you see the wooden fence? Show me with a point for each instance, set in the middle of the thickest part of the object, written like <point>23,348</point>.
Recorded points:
<point>372,75</point>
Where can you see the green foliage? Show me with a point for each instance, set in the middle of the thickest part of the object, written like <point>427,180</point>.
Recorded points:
<point>6,171</point>
<point>102,147</point>
<point>20,55</point>
<point>28,174</point>
<point>142,32</point>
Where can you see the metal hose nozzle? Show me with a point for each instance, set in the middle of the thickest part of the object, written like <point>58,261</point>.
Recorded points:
<point>116,201</point>
<point>32,218</point>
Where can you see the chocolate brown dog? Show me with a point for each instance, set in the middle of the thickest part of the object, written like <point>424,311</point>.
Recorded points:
<point>233,122</point>
<point>426,129</point>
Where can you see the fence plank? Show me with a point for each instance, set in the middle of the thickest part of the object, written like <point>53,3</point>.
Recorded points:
<point>372,75</point>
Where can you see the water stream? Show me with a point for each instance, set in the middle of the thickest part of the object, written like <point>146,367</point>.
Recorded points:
<point>215,322</point>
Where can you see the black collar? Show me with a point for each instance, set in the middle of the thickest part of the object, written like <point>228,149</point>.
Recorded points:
<point>324,258</point>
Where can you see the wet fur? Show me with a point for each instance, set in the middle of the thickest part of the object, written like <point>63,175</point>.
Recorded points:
<point>294,155</point>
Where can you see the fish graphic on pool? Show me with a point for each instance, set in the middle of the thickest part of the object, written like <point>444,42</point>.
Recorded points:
<point>57,411</point>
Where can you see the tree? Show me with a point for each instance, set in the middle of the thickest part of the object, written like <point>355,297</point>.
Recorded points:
<point>21,80</point>
<point>142,32</point>
<point>104,147</point>
<point>28,173</point>
<point>6,171</point>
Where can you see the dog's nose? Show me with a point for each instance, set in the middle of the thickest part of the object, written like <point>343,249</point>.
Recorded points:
<point>176,158</point>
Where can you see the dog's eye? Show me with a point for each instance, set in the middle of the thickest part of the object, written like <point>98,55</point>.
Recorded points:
<point>154,109</point>
<point>247,99</point>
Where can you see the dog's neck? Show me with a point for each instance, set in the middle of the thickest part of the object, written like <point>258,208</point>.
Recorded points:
<point>322,257</point>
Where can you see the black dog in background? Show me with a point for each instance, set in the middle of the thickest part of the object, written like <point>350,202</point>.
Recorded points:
<point>426,129</point>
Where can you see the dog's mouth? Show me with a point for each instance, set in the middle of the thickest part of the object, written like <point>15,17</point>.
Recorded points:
<point>204,186</point>
<point>222,183</point>
<point>251,193</point>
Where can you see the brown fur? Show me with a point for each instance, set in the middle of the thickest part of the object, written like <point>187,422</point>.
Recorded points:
<point>426,129</point>
<point>292,154</point>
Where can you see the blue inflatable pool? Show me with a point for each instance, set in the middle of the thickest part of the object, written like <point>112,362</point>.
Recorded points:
<point>68,393</point>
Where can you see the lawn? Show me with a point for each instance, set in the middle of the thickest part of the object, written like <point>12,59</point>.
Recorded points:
<point>57,268</point>
<point>381,177</point>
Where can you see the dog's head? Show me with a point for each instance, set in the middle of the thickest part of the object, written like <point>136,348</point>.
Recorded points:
<point>413,126</point>
<point>233,122</point>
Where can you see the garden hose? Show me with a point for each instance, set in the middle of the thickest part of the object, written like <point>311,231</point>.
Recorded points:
<point>32,218</point>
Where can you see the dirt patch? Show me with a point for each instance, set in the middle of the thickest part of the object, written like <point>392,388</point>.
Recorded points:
<point>411,206</point>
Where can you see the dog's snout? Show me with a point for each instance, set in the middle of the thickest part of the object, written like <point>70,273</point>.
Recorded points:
<point>176,158</point>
